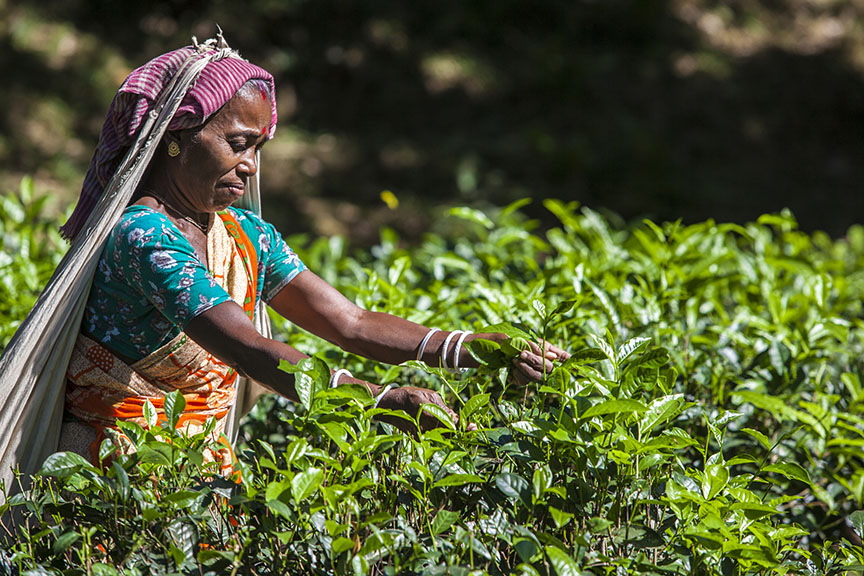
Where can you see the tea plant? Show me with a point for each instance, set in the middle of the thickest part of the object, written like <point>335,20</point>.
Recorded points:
<point>30,249</point>
<point>708,422</point>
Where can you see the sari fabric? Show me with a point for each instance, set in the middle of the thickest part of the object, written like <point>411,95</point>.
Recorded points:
<point>102,388</point>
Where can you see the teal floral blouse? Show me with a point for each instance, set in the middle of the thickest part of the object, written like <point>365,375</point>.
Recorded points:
<point>150,283</point>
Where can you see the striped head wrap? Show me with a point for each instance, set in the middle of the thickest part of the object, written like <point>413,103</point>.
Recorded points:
<point>136,98</point>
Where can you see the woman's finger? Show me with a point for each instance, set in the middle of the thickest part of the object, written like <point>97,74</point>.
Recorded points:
<point>559,353</point>
<point>549,351</point>
<point>533,366</point>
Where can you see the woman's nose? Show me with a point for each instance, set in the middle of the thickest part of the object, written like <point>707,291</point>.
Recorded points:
<point>249,163</point>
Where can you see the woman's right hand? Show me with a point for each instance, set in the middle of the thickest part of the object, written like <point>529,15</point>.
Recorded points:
<point>410,399</point>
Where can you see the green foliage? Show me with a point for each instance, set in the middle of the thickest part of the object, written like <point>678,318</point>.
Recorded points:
<point>709,421</point>
<point>30,249</point>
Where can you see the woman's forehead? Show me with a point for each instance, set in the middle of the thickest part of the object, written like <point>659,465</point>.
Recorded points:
<point>246,110</point>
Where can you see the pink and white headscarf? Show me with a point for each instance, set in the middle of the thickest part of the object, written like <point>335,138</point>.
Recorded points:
<point>215,86</point>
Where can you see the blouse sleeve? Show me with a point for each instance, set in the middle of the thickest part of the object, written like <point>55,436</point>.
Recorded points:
<point>165,269</point>
<point>279,263</point>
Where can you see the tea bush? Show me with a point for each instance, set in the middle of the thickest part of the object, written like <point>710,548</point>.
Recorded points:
<point>30,249</point>
<point>708,422</point>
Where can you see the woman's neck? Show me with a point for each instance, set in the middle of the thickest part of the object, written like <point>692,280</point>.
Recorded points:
<point>171,201</point>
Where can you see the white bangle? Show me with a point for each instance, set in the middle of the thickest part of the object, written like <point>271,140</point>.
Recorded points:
<point>381,395</point>
<point>334,378</point>
<point>446,345</point>
<point>424,342</point>
<point>458,348</point>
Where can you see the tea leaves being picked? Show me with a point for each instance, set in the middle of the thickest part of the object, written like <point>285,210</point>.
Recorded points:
<point>710,420</point>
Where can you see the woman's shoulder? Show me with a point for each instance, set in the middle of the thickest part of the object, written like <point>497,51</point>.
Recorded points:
<point>244,216</point>
<point>251,222</point>
<point>141,225</point>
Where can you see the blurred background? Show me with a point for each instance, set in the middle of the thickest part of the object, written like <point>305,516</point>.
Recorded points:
<point>687,109</point>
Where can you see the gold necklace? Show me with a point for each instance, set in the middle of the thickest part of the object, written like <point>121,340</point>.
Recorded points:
<point>202,227</point>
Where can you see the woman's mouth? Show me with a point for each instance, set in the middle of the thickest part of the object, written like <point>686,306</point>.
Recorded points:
<point>236,189</point>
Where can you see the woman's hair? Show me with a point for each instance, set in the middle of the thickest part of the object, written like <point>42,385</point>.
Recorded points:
<point>261,84</point>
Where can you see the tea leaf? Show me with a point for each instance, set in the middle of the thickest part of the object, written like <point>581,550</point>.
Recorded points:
<point>65,541</point>
<point>443,520</point>
<point>630,347</point>
<point>341,545</point>
<point>619,406</point>
<point>790,470</point>
<point>472,215</point>
<point>585,356</point>
<point>604,347</point>
<point>563,564</point>
<point>539,307</point>
<point>560,517</point>
<point>174,404</point>
<point>513,486</point>
<point>857,521</point>
<point>439,413</point>
<point>763,440</point>
<point>150,415</point>
<point>457,480</point>
<point>64,464</point>
<point>100,569</point>
<point>472,405</point>
<point>662,410</point>
<point>716,477</point>
<point>306,483</point>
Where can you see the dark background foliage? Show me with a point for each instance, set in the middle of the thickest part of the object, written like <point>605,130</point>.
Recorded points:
<point>670,109</point>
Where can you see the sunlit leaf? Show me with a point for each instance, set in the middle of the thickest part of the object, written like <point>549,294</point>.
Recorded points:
<point>630,347</point>
<point>790,470</point>
<point>443,520</point>
<point>457,480</point>
<point>563,564</point>
<point>63,464</point>
<point>150,414</point>
<point>619,406</point>
<point>514,486</point>
<point>439,413</point>
<point>306,483</point>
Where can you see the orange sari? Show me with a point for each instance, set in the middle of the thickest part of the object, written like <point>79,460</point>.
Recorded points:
<point>102,388</point>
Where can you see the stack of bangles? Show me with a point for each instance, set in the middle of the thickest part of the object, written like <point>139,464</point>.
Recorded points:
<point>460,336</point>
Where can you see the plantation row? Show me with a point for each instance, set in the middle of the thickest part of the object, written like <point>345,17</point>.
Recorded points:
<point>710,420</point>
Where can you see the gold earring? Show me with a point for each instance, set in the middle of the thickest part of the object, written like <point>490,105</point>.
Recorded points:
<point>173,149</point>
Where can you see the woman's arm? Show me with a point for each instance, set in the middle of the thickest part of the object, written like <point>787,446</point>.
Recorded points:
<point>226,332</point>
<point>314,305</point>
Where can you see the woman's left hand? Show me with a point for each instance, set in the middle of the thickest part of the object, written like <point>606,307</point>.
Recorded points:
<point>534,364</point>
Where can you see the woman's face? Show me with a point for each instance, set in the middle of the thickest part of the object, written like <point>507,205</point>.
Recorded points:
<point>214,164</point>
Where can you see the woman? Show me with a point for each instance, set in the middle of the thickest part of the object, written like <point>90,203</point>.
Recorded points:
<point>179,282</point>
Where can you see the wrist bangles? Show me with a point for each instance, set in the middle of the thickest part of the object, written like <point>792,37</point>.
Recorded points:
<point>460,336</point>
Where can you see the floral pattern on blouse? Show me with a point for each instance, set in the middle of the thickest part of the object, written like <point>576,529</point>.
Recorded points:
<point>150,283</point>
